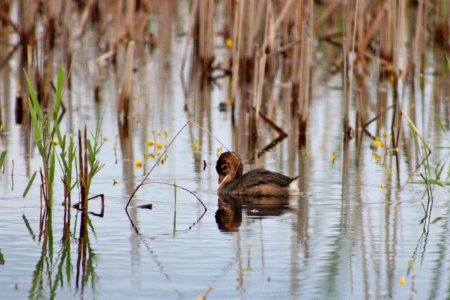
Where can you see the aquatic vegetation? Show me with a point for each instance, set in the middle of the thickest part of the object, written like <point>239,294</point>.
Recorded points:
<point>45,128</point>
<point>53,145</point>
<point>333,157</point>
<point>150,143</point>
<point>138,164</point>
<point>3,157</point>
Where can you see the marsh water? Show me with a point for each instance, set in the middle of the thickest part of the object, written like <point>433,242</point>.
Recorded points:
<point>360,228</point>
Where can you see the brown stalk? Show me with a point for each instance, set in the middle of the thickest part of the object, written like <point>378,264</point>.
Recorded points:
<point>125,94</point>
<point>326,14</point>
<point>417,36</point>
<point>305,70</point>
<point>261,68</point>
<point>236,51</point>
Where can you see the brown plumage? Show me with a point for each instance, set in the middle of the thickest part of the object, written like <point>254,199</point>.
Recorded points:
<point>255,182</point>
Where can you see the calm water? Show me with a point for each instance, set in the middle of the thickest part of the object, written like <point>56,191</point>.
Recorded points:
<point>352,233</point>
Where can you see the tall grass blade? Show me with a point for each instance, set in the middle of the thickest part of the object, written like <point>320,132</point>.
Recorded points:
<point>27,225</point>
<point>441,125</point>
<point>2,158</point>
<point>34,99</point>
<point>59,93</point>
<point>2,258</point>
<point>29,184</point>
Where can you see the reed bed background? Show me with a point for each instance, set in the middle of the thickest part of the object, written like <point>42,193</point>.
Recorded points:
<point>268,49</point>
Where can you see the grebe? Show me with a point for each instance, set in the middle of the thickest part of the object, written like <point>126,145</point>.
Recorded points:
<point>232,181</point>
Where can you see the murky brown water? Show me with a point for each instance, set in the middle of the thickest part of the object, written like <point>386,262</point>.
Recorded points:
<point>354,232</point>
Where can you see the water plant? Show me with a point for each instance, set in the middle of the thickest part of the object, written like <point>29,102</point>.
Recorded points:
<point>2,158</point>
<point>44,132</point>
<point>49,139</point>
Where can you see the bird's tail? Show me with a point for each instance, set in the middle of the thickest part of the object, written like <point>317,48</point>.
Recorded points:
<point>293,186</point>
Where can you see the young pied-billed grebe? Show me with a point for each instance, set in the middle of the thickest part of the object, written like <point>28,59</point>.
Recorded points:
<point>232,181</point>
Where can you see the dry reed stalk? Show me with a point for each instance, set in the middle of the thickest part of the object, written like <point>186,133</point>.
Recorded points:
<point>84,17</point>
<point>400,66</point>
<point>136,20</point>
<point>418,36</point>
<point>206,37</point>
<point>349,50</point>
<point>27,17</point>
<point>369,34</point>
<point>327,14</point>
<point>235,54</point>
<point>125,93</point>
<point>305,71</point>
<point>190,36</point>
<point>4,15</point>
<point>296,55</point>
<point>52,10</point>
<point>130,16</point>
<point>251,13</point>
<point>66,39</point>
<point>386,38</point>
<point>259,80</point>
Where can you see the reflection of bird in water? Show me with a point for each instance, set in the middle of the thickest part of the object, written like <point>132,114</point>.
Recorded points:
<point>255,182</point>
<point>229,212</point>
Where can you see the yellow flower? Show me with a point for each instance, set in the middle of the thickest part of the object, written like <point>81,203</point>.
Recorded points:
<point>55,142</point>
<point>159,145</point>
<point>333,157</point>
<point>402,281</point>
<point>378,143</point>
<point>200,298</point>
<point>229,43</point>
<point>376,157</point>
<point>150,143</point>
<point>138,164</point>
<point>158,133</point>
<point>382,186</point>
<point>163,159</point>
<point>195,147</point>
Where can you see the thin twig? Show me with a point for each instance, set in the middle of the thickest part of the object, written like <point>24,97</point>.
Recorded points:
<point>156,163</point>
<point>377,116</point>
<point>272,124</point>
<point>180,187</point>
<point>164,152</point>
<point>12,175</point>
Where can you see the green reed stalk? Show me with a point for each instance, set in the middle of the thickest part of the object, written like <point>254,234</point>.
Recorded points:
<point>43,132</point>
<point>2,158</point>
